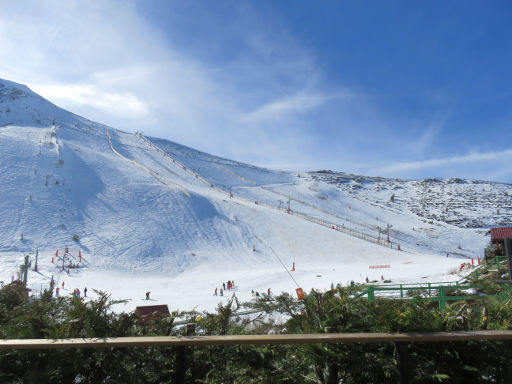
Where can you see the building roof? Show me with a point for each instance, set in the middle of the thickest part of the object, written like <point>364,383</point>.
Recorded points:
<point>501,233</point>
<point>153,311</point>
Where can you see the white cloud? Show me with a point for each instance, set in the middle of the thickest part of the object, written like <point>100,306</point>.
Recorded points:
<point>430,133</point>
<point>471,158</point>
<point>257,101</point>
<point>295,104</point>
<point>122,105</point>
<point>103,61</point>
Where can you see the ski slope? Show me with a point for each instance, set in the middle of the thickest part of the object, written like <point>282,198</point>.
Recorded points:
<point>148,214</point>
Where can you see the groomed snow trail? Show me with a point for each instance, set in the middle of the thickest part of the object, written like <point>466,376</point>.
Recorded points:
<point>152,173</point>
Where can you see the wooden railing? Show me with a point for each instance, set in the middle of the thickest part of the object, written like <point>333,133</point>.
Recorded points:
<point>192,341</point>
<point>401,340</point>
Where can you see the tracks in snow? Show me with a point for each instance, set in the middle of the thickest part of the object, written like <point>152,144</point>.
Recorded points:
<point>152,173</point>
<point>325,223</point>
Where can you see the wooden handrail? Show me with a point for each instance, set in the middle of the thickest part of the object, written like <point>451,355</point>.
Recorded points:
<point>176,341</point>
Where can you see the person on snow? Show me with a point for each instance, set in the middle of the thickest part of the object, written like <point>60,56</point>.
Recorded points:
<point>224,286</point>
<point>268,291</point>
<point>229,285</point>
<point>85,292</point>
<point>221,292</point>
<point>147,295</point>
<point>252,292</point>
<point>215,294</point>
<point>77,293</point>
<point>57,291</point>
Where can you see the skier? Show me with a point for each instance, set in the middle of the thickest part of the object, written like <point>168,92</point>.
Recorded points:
<point>229,285</point>
<point>62,284</point>
<point>85,292</point>
<point>77,293</point>
<point>332,286</point>
<point>221,292</point>
<point>224,285</point>
<point>147,295</point>
<point>57,290</point>
<point>268,291</point>
<point>367,280</point>
<point>215,294</point>
<point>252,292</point>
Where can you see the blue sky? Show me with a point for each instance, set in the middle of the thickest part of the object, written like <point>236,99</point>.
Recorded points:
<point>394,88</point>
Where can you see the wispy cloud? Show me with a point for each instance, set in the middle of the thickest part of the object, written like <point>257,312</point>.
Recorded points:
<point>496,164</point>
<point>119,104</point>
<point>104,61</point>
<point>250,91</point>
<point>279,109</point>
<point>430,133</point>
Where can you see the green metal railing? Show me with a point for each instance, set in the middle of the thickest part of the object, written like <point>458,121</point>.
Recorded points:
<point>441,290</point>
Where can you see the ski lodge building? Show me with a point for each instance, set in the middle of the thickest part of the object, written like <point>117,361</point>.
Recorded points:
<point>150,312</point>
<point>498,236</point>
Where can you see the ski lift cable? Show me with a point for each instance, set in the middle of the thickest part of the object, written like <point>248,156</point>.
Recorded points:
<point>284,266</point>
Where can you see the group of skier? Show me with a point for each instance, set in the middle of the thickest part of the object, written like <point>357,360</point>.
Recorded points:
<point>76,291</point>
<point>229,286</point>
<point>257,294</point>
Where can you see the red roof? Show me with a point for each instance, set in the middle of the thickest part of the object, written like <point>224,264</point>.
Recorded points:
<point>501,233</point>
<point>153,311</point>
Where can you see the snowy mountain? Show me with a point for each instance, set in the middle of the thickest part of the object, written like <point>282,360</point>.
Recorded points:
<point>147,213</point>
<point>461,202</point>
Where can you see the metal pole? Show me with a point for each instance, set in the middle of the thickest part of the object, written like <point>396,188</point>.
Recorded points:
<point>180,365</point>
<point>403,362</point>
<point>509,257</point>
<point>442,298</point>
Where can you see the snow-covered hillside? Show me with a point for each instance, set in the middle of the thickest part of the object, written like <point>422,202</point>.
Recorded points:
<point>148,214</point>
<point>461,202</point>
